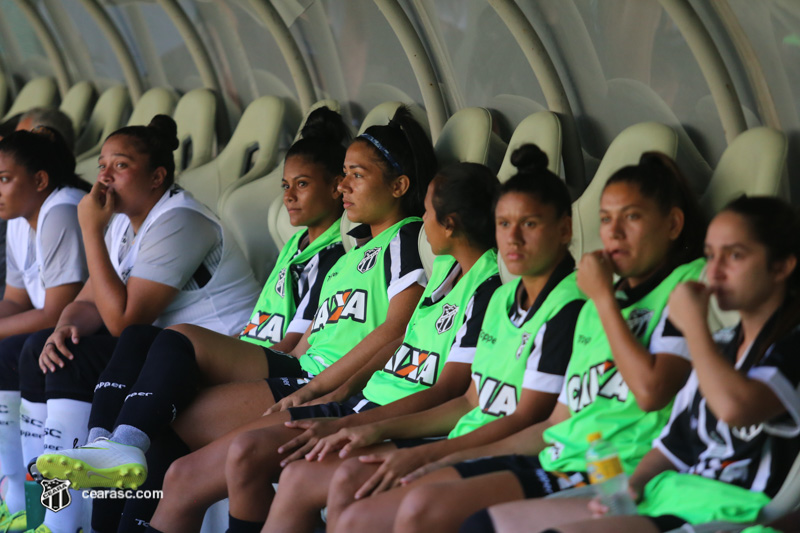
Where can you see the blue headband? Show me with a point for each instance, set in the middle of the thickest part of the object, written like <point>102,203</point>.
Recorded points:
<point>375,142</point>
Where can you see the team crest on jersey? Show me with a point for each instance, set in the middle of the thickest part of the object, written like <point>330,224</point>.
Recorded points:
<point>414,365</point>
<point>265,327</point>
<point>280,286</point>
<point>350,304</point>
<point>495,397</point>
<point>525,338</point>
<point>747,433</point>
<point>602,380</point>
<point>445,321</point>
<point>638,321</point>
<point>370,257</point>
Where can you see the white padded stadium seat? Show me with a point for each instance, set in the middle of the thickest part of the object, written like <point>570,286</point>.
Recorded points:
<point>251,152</point>
<point>196,117</point>
<point>625,149</point>
<point>754,164</point>
<point>77,104</point>
<point>542,129</point>
<point>39,92</point>
<point>467,137</point>
<point>251,213</point>
<point>107,116</point>
<point>156,101</point>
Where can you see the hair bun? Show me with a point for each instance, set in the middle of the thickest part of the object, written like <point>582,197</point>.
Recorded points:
<point>325,124</point>
<point>166,129</point>
<point>529,158</point>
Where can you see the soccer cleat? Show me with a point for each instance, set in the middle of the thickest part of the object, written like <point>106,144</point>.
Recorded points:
<point>13,523</point>
<point>100,464</point>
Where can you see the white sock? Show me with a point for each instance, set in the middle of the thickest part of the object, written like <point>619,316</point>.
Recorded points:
<point>66,425</point>
<point>31,428</point>
<point>67,422</point>
<point>68,519</point>
<point>11,463</point>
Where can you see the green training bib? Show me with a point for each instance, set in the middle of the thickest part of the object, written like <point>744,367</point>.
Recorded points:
<point>354,301</point>
<point>431,332</point>
<point>598,398</point>
<point>276,306</point>
<point>503,350</point>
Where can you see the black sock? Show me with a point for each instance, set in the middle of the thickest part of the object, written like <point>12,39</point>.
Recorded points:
<point>105,514</point>
<point>167,383</point>
<point>243,526</point>
<point>479,522</point>
<point>119,376</point>
<point>164,449</point>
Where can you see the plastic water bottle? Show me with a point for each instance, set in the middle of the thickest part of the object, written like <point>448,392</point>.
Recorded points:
<point>606,474</point>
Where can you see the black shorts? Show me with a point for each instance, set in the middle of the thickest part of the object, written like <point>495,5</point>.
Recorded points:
<point>412,443</point>
<point>667,522</point>
<point>283,365</point>
<point>536,482</point>
<point>283,387</point>
<point>354,404</point>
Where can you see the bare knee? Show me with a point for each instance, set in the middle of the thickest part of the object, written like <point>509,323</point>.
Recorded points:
<point>250,453</point>
<point>295,475</point>
<point>419,510</point>
<point>180,477</point>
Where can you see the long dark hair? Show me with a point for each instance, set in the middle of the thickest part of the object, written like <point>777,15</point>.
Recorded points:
<point>158,140</point>
<point>44,149</point>
<point>403,148</point>
<point>776,225</point>
<point>659,178</point>
<point>466,192</point>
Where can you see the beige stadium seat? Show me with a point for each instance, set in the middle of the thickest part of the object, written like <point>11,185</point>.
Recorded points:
<point>156,101</point>
<point>77,104</point>
<point>107,116</point>
<point>196,117</point>
<point>253,213</point>
<point>542,129</point>
<point>754,164</point>
<point>625,149</point>
<point>39,92</point>
<point>251,152</point>
<point>467,137</point>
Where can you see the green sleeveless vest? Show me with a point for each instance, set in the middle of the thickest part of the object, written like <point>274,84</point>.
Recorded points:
<point>354,301</point>
<point>597,396</point>
<point>276,305</point>
<point>431,332</point>
<point>503,350</point>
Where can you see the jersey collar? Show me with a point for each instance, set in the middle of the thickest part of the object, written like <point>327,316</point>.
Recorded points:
<point>564,269</point>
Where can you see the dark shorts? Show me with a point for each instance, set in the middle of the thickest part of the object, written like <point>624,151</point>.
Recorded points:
<point>283,387</point>
<point>283,365</point>
<point>412,443</point>
<point>354,404</point>
<point>667,522</point>
<point>536,482</point>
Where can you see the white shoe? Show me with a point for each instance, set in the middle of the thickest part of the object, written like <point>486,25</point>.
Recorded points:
<point>102,463</point>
